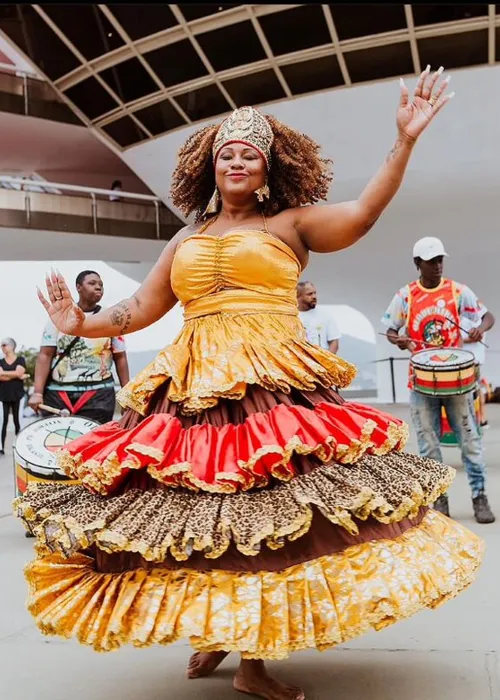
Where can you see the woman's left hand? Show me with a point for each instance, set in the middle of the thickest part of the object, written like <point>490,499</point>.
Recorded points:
<point>429,98</point>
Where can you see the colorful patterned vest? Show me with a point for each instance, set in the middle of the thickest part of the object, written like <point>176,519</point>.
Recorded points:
<point>433,316</point>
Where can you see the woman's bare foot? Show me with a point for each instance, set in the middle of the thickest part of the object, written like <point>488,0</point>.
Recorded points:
<point>251,678</point>
<point>203,663</point>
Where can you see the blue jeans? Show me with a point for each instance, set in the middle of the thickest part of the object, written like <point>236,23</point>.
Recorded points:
<point>426,417</point>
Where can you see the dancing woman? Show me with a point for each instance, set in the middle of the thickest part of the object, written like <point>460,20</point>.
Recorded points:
<point>240,502</point>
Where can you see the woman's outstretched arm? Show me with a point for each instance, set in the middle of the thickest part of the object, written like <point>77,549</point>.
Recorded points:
<point>325,229</point>
<point>151,301</point>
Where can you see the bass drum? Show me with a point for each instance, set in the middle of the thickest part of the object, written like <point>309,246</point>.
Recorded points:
<point>36,446</point>
<point>443,371</point>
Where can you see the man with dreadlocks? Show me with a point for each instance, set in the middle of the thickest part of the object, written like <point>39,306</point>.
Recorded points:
<point>240,502</point>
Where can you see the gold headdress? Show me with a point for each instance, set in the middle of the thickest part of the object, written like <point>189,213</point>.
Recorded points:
<point>245,125</point>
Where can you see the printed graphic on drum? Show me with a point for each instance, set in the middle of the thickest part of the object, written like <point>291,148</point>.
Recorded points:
<point>443,371</point>
<point>36,446</point>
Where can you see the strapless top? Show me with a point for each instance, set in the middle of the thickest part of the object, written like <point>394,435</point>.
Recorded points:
<point>240,271</point>
<point>241,326</point>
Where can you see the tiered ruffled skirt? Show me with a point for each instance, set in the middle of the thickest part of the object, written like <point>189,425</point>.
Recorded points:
<point>241,504</point>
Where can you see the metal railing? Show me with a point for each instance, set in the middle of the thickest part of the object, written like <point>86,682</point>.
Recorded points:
<point>102,204</point>
<point>391,360</point>
<point>29,95</point>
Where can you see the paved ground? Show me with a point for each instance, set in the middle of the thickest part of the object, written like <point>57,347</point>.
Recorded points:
<point>449,654</point>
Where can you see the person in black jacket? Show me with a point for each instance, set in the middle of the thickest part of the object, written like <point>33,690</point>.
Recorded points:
<point>12,373</point>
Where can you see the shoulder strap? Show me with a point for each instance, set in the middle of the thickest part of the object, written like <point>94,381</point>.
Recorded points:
<point>456,293</point>
<point>206,224</point>
<point>70,347</point>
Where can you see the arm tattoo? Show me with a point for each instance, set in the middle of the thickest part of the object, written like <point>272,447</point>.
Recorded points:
<point>121,316</point>
<point>394,150</point>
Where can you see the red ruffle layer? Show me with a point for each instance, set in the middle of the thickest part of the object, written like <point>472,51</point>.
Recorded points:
<point>232,457</point>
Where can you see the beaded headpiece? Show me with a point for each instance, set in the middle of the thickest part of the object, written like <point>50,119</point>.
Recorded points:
<point>245,125</point>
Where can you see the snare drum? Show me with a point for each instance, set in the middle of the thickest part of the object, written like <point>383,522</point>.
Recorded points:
<point>36,446</point>
<point>443,371</point>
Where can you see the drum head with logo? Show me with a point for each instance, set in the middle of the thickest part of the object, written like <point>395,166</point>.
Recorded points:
<point>38,443</point>
<point>442,357</point>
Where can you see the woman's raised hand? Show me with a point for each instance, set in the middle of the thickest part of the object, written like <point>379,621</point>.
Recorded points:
<point>64,313</point>
<point>429,98</point>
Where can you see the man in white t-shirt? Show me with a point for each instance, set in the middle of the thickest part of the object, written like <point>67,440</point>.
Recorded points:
<point>319,323</point>
<point>76,373</point>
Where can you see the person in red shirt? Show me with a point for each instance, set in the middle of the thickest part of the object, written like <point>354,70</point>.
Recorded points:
<point>429,312</point>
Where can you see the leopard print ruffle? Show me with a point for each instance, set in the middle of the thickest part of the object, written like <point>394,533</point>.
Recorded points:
<point>157,521</point>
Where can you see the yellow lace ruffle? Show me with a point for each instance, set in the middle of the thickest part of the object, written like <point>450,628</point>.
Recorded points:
<point>265,615</point>
<point>216,357</point>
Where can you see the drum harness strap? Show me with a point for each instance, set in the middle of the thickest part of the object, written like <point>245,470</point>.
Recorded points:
<point>86,396</point>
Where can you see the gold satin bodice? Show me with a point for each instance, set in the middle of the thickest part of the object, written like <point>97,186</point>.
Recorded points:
<point>240,271</point>
<point>241,326</point>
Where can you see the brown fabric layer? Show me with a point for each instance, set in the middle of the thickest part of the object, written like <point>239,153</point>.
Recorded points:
<point>322,538</point>
<point>256,400</point>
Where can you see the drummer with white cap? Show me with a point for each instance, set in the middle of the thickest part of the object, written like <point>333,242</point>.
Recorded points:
<point>430,312</point>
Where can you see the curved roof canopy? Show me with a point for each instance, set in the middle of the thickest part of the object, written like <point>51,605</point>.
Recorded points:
<point>136,71</point>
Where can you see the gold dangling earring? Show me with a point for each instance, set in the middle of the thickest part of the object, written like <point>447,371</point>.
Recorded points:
<point>263,192</point>
<point>213,205</point>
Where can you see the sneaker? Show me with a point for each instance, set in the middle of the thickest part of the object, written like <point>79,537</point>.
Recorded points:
<point>2,452</point>
<point>442,506</point>
<point>485,425</point>
<point>482,510</point>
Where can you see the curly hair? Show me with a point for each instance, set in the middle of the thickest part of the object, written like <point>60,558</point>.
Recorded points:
<point>298,175</point>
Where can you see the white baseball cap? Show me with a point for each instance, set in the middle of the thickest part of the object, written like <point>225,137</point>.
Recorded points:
<point>429,248</point>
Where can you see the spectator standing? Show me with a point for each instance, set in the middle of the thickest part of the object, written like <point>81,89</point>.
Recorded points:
<point>116,187</point>
<point>12,373</point>
<point>321,328</point>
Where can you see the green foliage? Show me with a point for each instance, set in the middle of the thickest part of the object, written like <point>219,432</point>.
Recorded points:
<point>30,355</point>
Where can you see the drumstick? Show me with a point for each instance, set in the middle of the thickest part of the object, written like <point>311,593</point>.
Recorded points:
<point>404,337</point>
<point>427,345</point>
<point>64,412</point>
<point>49,409</point>
<point>468,332</point>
